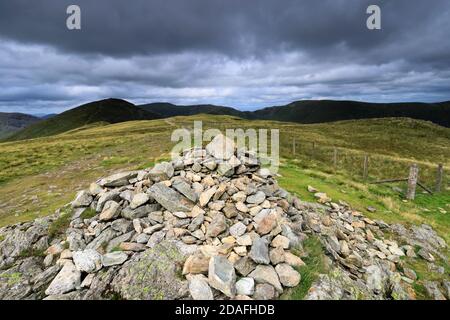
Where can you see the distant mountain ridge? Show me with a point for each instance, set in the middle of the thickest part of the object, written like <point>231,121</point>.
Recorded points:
<point>306,111</point>
<point>166,109</point>
<point>318,111</point>
<point>106,111</point>
<point>13,122</point>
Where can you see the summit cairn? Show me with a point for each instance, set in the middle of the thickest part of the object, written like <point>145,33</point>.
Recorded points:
<point>211,224</point>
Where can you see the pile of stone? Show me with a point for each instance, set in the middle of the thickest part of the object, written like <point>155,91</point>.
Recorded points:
<point>366,253</point>
<point>225,209</point>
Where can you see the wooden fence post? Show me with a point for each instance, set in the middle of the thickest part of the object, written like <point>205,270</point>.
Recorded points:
<point>293,147</point>
<point>366,167</point>
<point>313,149</point>
<point>439,175</point>
<point>335,155</point>
<point>412,182</point>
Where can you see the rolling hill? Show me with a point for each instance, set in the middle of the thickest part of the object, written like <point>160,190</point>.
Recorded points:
<point>312,111</point>
<point>12,122</point>
<point>305,112</point>
<point>104,111</point>
<point>166,109</point>
<point>317,111</point>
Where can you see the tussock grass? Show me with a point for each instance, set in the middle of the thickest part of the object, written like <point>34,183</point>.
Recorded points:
<point>50,167</point>
<point>314,266</point>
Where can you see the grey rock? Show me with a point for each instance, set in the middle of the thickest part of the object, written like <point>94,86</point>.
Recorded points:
<point>95,189</point>
<point>410,273</point>
<point>199,288</point>
<point>196,222</point>
<point>170,199</point>
<point>156,217</point>
<point>105,197</point>
<point>433,291</point>
<point>257,198</point>
<point>138,200</point>
<point>87,260</point>
<point>122,225</point>
<point>162,171</point>
<point>104,237</point>
<point>114,258</point>
<point>43,279</point>
<point>206,196</point>
<point>425,254</point>
<point>287,275</point>
<point>225,169</point>
<point>375,279</point>
<point>156,238</point>
<point>118,179</point>
<point>245,265</point>
<point>141,211</point>
<point>67,280</point>
<point>126,195</point>
<point>264,291</point>
<point>111,210</point>
<point>217,226</point>
<point>238,229</point>
<point>230,210</point>
<point>266,274</point>
<point>446,286</point>
<point>153,229</point>
<point>115,243</point>
<point>221,147</point>
<point>83,199</point>
<point>142,238</point>
<point>277,255</point>
<point>245,286</point>
<point>260,251</point>
<point>183,187</point>
<point>221,275</point>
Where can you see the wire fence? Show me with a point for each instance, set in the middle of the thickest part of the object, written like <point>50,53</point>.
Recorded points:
<point>360,166</point>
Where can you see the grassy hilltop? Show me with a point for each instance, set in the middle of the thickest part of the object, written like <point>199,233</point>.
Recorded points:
<point>40,175</point>
<point>50,167</point>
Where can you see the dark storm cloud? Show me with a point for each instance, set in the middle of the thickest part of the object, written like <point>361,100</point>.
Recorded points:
<point>243,53</point>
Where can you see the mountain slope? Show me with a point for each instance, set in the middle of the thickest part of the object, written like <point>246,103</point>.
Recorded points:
<point>317,111</point>
<point>12,122</point>
<point>310,111</point>
<point>166,109</point>
<point>107,111</point>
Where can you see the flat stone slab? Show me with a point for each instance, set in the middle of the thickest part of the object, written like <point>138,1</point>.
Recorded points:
<point>169,198</point>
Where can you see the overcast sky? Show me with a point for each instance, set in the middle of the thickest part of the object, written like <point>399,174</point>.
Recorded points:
<point>246,54</point>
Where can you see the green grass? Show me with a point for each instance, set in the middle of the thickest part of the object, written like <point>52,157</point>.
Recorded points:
<point>88,213</point>
<point>59,226</point>
<point>11,278</point>
<point>29,252</point>
<point>49,168</point>
<point>315,265</point>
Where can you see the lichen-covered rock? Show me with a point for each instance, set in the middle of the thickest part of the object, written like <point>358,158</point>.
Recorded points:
<point>155,274</point>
